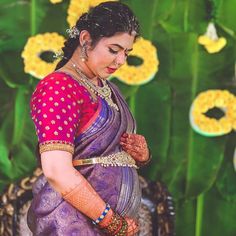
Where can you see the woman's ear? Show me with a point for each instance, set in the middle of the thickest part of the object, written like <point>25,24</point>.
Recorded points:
<point>85,38</point>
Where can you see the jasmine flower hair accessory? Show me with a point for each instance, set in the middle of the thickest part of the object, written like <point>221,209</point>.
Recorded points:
<point>58,55</point>
<point>73,32</point>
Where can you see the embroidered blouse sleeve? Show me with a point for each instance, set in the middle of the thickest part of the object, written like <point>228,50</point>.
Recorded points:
<point>55,110</point>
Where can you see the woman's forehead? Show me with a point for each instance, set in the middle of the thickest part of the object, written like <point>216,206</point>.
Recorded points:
<point>122,40</point>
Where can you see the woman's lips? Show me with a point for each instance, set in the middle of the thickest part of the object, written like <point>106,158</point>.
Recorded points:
<point>111,70</point>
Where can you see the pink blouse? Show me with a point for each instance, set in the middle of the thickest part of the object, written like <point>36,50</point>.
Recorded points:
<point>60,108</point>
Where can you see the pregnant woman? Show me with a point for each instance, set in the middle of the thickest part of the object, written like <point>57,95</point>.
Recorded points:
<point>88,146</point>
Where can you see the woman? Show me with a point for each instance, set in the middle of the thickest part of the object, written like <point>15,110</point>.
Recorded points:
<point>87,141</point>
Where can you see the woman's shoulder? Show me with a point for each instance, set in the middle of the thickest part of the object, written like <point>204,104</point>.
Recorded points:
<point>59,78</point>
<point>62,82</point>
<point>60,86</point>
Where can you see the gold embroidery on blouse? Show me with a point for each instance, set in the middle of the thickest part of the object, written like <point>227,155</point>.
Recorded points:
<point>43,147</point>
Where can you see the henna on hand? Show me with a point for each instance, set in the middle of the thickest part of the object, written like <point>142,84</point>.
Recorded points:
<point>133,226</point>
<point>136,146</point>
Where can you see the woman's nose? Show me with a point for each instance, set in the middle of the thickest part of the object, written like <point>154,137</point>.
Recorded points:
<point>121,59</point>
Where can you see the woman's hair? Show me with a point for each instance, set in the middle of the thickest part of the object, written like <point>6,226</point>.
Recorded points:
<point>104,20</point>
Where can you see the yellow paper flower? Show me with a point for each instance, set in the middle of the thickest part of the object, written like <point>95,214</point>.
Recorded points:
<point>211,41</point>
<point>55,1</point>
<point>232,113</point>
<point>137,75</point>
<point>207,126</point>
<point>78,7</point>
<point>34,47</point>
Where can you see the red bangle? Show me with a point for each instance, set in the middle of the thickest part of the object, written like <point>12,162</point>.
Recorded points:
<point>120,225</point>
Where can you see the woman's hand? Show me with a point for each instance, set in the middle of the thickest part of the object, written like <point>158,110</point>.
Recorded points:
<point>136,146</point>
<point>133,227</point>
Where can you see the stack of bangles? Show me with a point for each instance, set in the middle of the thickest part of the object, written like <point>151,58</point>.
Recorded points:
<point>116,226</point>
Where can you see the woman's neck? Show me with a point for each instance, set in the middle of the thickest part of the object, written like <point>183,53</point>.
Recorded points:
<point>77,62</point>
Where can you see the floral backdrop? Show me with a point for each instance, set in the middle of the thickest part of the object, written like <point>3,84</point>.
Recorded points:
<point>179,81</point>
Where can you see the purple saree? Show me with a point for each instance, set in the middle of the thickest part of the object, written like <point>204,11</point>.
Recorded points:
<point>50,215</point>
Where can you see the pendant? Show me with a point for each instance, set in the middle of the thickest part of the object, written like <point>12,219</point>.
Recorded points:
<point>103,92</point>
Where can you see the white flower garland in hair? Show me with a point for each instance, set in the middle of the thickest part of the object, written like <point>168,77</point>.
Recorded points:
<point>73,32</point>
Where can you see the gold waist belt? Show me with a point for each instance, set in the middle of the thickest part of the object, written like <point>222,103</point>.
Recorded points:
<point>115,159</point>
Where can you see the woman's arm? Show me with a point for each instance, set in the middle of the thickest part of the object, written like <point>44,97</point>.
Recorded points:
<point>74,188</point>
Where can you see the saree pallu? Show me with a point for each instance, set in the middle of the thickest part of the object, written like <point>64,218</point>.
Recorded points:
<point>50,214</point>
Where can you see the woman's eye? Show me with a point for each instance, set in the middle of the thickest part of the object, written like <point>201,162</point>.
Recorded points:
<point>113,51</point>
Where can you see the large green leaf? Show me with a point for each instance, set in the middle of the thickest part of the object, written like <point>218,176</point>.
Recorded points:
<point>153,114</point>
<point>19,20</point>
<point>144,17</point>
<point>185,217</point>
<point>225,16</point>
<point>219,215</point>
<point>182,16</point>
<point>189,151</point>
<point>227,177</point>
<point>17,140</point>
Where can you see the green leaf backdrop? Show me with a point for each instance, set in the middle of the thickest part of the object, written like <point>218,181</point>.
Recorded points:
<point>198,170</point>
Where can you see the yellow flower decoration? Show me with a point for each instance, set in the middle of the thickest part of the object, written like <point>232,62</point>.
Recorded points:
<point>78,7</point>
<point>36,45</point>
<point>137,75</point>
<point>207,126</point>
<point>232,114</point>
<point>55,1</point>
<point>211,41</point>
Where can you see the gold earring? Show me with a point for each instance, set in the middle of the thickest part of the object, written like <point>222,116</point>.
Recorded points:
<point>83,55</point>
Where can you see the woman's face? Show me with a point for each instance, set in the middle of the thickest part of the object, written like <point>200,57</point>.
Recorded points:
<point>109,54</point>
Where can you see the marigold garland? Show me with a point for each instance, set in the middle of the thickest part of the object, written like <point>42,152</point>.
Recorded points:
<point>78,7</point>
<point>137,75</point>
<point>211,41</point>
<point>207,126</point>
<point>36,45</point>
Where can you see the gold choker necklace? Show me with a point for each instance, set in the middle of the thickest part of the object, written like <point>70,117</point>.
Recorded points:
<point>103,92</point>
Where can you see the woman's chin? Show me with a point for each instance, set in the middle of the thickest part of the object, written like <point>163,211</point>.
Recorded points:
<point>104,76</point>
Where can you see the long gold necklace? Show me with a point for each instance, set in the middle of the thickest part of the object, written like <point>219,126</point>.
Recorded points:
<point>103,92</point>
